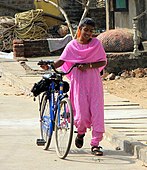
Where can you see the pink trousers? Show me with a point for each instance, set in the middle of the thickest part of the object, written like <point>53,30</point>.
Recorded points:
<point>86,95</point>
<point>96,137</point>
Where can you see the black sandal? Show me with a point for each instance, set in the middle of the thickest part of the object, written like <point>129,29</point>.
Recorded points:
<point>79,140</point>
<point>96,150</point>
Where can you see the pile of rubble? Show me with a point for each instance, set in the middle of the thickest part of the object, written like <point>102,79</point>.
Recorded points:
<point>137,73</point>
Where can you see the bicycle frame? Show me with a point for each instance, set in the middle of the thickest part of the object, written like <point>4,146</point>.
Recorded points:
<point>60,97</point>
<point>54,107</point>
<point>51,102</point>
<point>57,115</point>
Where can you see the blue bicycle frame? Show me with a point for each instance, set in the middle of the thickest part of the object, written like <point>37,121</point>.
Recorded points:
<point>55,111</point>
<point>54,107</point>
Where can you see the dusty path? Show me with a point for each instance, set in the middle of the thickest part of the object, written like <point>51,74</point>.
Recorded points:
<point>19,130</point>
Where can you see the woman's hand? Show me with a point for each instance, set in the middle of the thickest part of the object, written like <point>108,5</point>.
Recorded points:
<point>44,67</point>
<point>83,67</point>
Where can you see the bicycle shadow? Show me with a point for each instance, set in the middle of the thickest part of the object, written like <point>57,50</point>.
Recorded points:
<point>83,155</point>
<point>109,157</point>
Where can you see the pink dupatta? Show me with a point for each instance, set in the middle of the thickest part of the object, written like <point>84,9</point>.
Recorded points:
<point>75,52</point>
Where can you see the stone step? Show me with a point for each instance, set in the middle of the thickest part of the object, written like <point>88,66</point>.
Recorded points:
<point>129,126</point>
<point>117,114</point>
<point>136,133</point>
<point>126,121</point>
<point>132,130</point>
<point>139,138</point>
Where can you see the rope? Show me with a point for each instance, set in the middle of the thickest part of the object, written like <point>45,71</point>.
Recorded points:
<point>31,25</point>
<point>25,25</point>
<point>7,25</point>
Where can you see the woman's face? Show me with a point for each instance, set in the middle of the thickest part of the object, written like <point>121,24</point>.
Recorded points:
<point>86,32</point>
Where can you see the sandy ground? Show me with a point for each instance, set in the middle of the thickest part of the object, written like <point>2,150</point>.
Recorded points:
<point>134,89</point>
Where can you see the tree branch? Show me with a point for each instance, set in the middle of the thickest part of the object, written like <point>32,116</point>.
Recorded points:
<point>85,12</point>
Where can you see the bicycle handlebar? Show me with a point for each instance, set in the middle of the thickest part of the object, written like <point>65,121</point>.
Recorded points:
<point>50,62</point>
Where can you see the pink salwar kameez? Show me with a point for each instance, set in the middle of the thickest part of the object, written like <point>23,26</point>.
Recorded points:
<point>86,90</point>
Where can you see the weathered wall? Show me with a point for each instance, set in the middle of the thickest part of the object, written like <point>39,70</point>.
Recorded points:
<point>10,7</point>
<point>125,61</point>
<point>75,10</point>
<point>99,16</point>
<point>124,19</point>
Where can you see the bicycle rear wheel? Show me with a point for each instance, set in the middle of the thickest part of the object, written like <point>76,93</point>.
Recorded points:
<point>64,128</point>
<point>45,121</point>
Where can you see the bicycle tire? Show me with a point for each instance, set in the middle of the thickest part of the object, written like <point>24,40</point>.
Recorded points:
<point>45,121</point>
<point>64,131</point>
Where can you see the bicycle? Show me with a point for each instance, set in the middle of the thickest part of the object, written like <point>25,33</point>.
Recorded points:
<point>55,111</point>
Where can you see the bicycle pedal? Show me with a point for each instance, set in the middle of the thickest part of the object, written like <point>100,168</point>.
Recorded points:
<point>40,142</point>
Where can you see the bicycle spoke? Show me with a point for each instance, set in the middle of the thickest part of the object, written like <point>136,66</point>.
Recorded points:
<point>64,128</point>
<point>45,122</point>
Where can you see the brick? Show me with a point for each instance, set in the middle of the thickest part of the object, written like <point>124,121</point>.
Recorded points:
<point>18,54</point>
<point>17,41</point>
<point>18,46</point>
<point>17,50</point>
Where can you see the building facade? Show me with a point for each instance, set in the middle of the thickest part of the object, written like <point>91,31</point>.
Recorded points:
<point>121,13</point>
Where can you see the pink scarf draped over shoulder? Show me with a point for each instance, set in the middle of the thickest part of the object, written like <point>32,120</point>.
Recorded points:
<point>75,52</point>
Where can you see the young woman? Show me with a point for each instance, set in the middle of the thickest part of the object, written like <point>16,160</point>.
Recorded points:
<point>86,91</point>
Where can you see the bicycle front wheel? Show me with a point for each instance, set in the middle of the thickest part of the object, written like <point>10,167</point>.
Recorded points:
<point>45,121</point>
<point>64,128</point>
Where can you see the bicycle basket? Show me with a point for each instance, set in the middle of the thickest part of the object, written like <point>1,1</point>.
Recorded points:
<point>43,85</point>
<point>40,87</point>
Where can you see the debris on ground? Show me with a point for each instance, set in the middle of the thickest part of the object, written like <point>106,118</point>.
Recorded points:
<point>137,73</point>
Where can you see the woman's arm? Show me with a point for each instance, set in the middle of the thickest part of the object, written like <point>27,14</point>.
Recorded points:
<point>58,63</point>
<point>98,64</point>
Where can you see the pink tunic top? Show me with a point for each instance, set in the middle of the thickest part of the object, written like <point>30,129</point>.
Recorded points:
<point>86,90</point>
